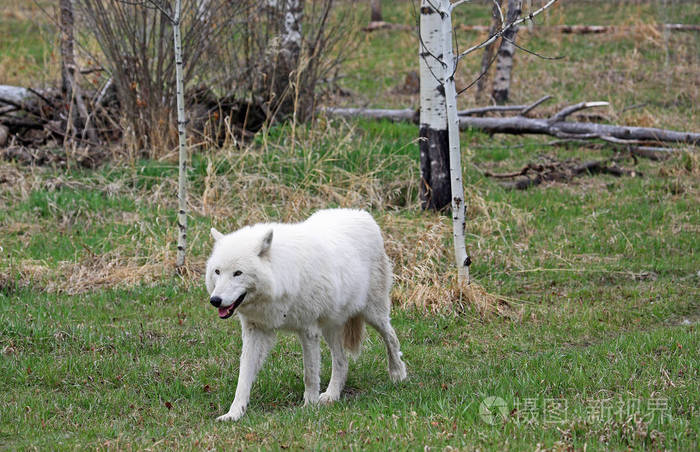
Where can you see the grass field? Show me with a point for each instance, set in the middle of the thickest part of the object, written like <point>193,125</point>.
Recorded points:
<point>591,340</point>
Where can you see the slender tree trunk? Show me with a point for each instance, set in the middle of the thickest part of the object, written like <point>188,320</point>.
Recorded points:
<point>291,37</point>
<point>69,85</point>
<point>67,58</point>
<point>435,191</point>
<point>457,199</point>
<point>489,50</point>
<point>376,11</point>
<point>182,137</point>
<point>504,63</point>
<point>284,64</point>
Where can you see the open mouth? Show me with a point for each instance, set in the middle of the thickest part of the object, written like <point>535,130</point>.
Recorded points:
<point>227,311</point>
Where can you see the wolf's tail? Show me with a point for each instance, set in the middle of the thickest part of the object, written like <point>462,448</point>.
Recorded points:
<point>353,333</point>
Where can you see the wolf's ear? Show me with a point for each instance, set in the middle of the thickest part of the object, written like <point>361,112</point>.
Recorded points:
<point>266,242</point>
<point>216,235</point>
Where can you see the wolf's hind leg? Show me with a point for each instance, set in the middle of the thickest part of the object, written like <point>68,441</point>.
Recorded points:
<point>311,350</point>
<point>397,368</point>
<point>334,337</point>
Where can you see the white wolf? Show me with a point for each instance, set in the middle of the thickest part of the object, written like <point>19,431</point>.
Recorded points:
<point>325,276</point>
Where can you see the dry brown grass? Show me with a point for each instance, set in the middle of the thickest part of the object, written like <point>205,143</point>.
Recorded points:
<point>420,247</point>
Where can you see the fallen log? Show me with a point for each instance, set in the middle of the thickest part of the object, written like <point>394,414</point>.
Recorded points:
<point>555,126</point>
<point>14,95</point>
<point>381,25</point>
<point>520,125</point>
<point>591,29</point>
<point>406,114</point>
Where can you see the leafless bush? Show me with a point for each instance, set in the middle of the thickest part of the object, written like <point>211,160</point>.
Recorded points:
<point>136,41</point>
<point>236,62</point>
<point>289,85</point>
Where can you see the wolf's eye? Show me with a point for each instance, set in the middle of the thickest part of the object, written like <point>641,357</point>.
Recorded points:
<point>237,273</point>
<point>217,271</point>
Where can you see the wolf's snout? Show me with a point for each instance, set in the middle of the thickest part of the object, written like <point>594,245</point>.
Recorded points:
<point>215,301</point>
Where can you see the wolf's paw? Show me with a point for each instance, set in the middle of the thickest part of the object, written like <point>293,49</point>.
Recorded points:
<point>398,373</point>
<point>232,416</point>
<point>311,399</point>
<point>327,398</point>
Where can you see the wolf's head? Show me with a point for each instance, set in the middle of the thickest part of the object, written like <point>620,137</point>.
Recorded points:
<point>238,270</point>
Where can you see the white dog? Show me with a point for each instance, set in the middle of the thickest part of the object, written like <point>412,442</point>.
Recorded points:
<point>325,276</point>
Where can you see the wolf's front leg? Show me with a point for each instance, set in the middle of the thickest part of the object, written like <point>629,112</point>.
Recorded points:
<point>311,350</point>
<point>256,344</point>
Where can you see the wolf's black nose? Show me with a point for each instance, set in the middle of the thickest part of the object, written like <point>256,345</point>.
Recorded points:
<point>215,300</point>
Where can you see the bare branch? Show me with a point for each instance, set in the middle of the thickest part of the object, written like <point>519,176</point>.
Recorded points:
<point>534,105</point>
<point>479,77</point>
<point>531,52</point>
<point>498,8</point>
<point>563,113</point>
<point>504,29</point>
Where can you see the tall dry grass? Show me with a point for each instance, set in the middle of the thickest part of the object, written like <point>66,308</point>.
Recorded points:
<point>274,178</point>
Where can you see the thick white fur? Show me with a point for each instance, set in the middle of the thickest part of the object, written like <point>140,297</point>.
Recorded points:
<point>310,278</point>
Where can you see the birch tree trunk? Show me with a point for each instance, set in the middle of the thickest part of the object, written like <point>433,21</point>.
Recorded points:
<point>487,56</point>
<point>182,138</point>
<point>67,42</point>
<point>69,85</point>
<point>291,37</point>
<point>283,63</point>
<point>435,191</point>
<point>449,67</point>
<point>504,62</point>
<point>375,11</point>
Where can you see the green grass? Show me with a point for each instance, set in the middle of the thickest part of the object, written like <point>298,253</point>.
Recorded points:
<point>134,367</point>
<point>594,346</point>
<point>150,363</point>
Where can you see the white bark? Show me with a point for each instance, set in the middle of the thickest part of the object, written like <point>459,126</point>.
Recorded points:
<point>291,38</point>
<point>15,94</point>
<point>432,106</point>
<point>434,149</point>
<point>504,63</point>
<point>182,172</point>
<point>458,208</point>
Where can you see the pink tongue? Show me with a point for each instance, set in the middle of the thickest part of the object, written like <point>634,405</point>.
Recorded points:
<point>223,311</point>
